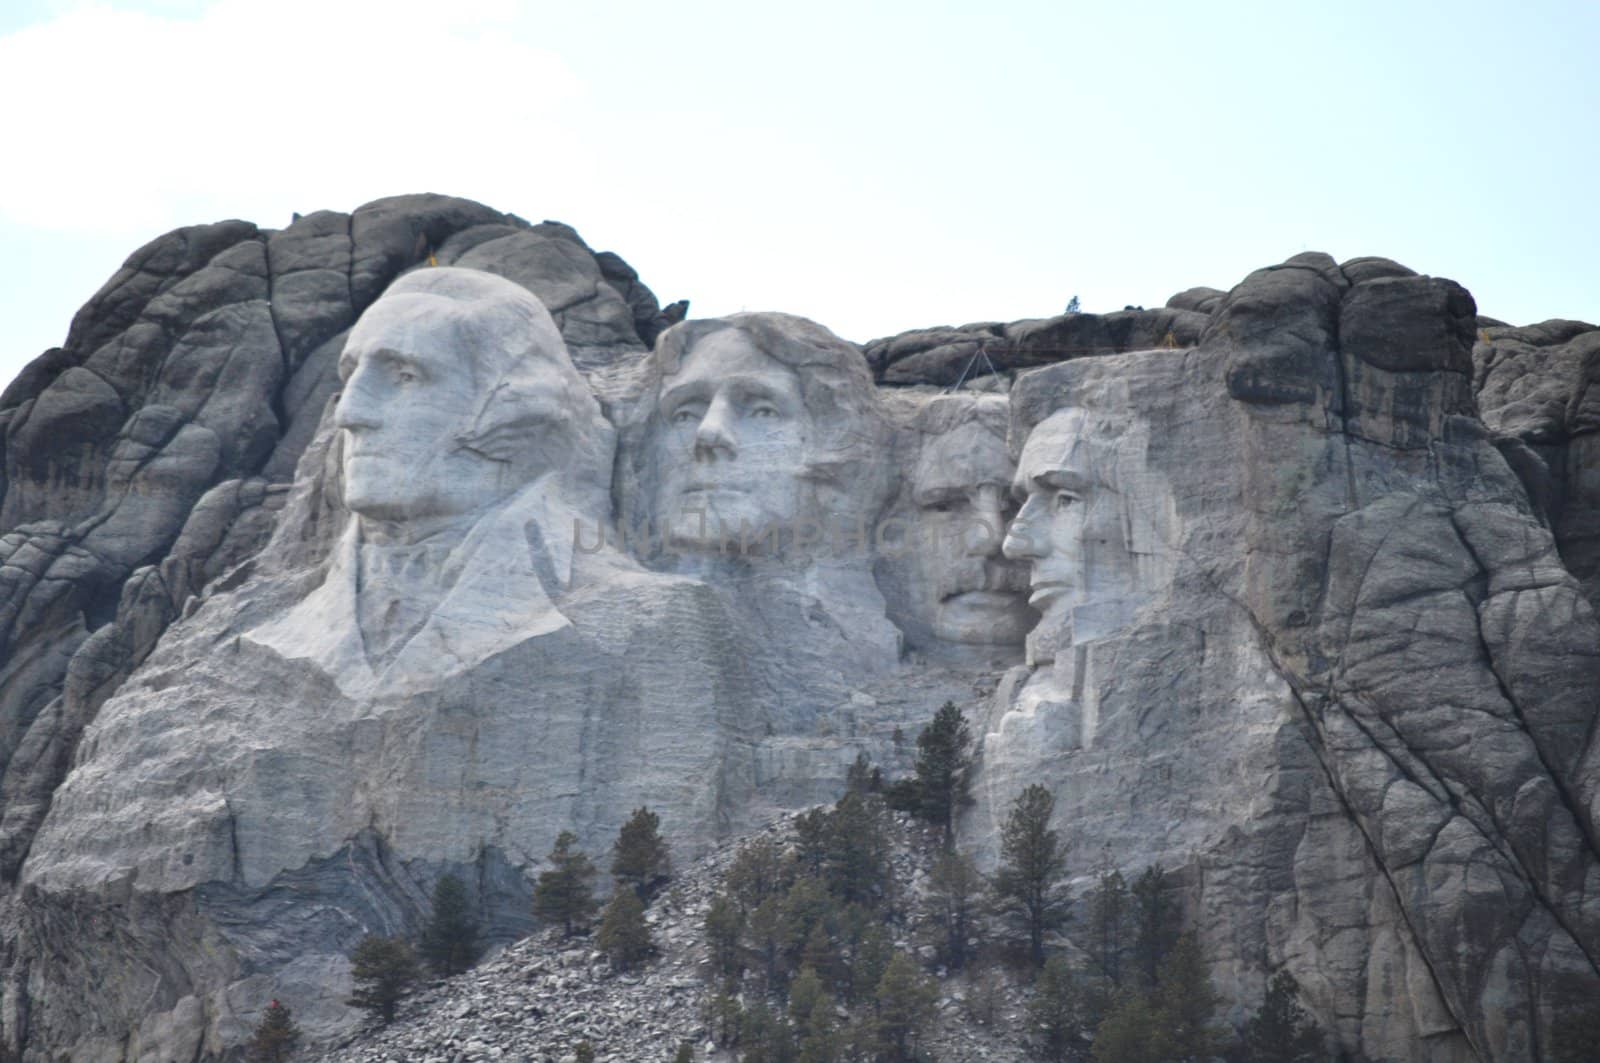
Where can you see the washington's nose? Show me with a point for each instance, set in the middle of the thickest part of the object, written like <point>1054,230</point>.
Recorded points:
<point>715,434</point>
<point>355,408</point>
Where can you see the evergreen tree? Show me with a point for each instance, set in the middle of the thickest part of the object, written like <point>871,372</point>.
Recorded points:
<point>954,888</point>
<point>765,939</point>
<point>811,1010</point>
<point>806,906</point>
<point>1129,1033</point>
<point>624,935</point>
<point>856,851</point>
<point>863,778</point>
<point>450,940</point>
<point>723,927</point>
<point>765,1037</point>
<point>1032,861</point>
<point>563,894</point>
<point>1281,1032</point>
<point>811,841</point>
<point>639,859</point>
<point>944,769</point>
<point>685,1053</point>
<point>723,1018</point>
<point>1109,919</point>
<point>384,970</point>
<point>821,955</point>
<point>1157,923</point>
<point>760,870</point>
<point>583,1051</point>
<point>1184,1003</point>
<point>905,1001</point>
<point>871,960</point>
<point>1055,1010</point>
<point>274,1036</point>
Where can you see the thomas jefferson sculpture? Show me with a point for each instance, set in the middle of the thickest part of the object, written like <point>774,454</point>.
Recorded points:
<point>762,461</point>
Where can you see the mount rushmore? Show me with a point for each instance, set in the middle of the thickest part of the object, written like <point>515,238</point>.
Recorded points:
<point>391,544</point>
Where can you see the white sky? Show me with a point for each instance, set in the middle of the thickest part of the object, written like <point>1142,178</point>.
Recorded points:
<point>876,166</point>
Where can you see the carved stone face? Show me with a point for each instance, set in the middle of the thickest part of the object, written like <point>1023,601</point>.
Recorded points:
<point>1071,527</point>
<point>457,391</point>
<point>734,443</point>
<point>961,587</point>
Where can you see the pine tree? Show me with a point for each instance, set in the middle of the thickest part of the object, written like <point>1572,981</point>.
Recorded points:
<point>624,935</point>
<point>1281,1032</point>
<point>1032,861</point>
<point>905,1000</point>
<point>1156,923</point>
<point>760,870</point>
<point>811,1010</point>
<point>723,1018</point>
<point>856,851</point>
<point>954,887</point>
<point>871,960</point>
<point>811,841</point>
<point>563,894</point>
<point>274,1036</point>
<point>806,906</point>
<point>765,1037</point>
<point>1129,1033</point>
<point>384,970</point>
<point>1185,1001</point>
<point>685,1053</point>
<point>724,926</point>
<point>765,939</point>
<point>639,859</point>
<point>1109,919</point>
<point>584,1052</point>
<point>863,778</point>
<point>1055,1010</point>
<point>944,769</point>
<point>450,940</point>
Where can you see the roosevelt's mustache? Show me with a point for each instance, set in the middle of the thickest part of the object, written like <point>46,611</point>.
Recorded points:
<point>983,574</point>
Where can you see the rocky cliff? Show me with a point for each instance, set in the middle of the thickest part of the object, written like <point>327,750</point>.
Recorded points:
<point>1289,587</point>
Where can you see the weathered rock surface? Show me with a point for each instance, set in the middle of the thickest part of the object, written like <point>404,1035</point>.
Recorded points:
<point>209,357</point>
<point>940,356</point>
<point>1539,388</point>
<point>1310,559</point>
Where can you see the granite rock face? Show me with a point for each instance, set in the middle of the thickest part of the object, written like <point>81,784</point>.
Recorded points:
<point>1539,390</point>
<point>326,571</point>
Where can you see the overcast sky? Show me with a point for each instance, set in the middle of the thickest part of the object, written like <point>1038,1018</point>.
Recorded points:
<point>876,166</point>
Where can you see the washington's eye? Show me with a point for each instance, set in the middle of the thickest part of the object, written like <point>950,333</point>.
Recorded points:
<point>407,376</point>
<point>1063,500</point>
<point>764,410</point>
<point>684,415</point>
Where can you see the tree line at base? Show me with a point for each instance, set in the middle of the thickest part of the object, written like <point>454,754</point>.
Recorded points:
<point>815,945</point>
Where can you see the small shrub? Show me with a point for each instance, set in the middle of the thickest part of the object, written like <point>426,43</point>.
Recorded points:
<point>274,1036</point>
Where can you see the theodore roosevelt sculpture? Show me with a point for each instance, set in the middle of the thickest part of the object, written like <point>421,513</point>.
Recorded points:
<point>472,451</point>
<point>948,586</point>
